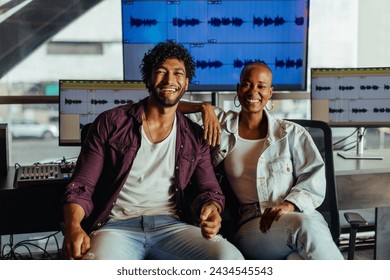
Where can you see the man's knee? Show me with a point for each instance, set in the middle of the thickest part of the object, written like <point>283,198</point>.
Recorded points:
<point>224,250</point>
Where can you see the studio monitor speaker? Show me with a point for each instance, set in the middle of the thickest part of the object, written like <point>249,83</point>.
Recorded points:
<point>3,149</point>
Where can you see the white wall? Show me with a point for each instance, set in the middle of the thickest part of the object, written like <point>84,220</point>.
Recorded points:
<point>374,33</point>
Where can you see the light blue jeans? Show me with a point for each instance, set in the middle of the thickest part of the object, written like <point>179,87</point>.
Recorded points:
<point>157,237</point>
<point>294,236</point>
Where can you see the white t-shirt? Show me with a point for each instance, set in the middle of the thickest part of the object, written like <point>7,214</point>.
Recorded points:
<point>147,190</point>
<point>241,168</point>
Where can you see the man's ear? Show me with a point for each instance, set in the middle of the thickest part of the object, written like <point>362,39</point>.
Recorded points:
<point>148,86</point>
<point>187,82</point>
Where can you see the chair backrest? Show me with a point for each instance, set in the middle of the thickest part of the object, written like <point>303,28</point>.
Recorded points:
<point>322,136</point>
<point>84,132</point>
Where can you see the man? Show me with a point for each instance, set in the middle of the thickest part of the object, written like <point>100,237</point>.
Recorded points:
<point>131,189</point>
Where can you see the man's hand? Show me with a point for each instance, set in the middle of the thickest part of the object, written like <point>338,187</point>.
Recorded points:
<point>210,220</point>
<point>274,213</point>
<point>211,126</point>
<point>76,242</point>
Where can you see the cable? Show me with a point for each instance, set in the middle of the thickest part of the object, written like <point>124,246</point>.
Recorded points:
<point>346,145</point>
<point>343,139</point>
<point>11,251</point>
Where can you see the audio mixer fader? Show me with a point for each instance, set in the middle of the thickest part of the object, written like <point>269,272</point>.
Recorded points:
<point>42,174</point>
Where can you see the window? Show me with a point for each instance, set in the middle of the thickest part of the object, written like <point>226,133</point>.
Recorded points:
<point>87,48</point>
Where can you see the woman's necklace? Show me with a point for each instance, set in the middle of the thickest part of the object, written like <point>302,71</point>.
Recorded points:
<point>169,128</point>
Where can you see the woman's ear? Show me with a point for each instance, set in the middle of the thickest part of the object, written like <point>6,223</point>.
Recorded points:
<point>271,91</point>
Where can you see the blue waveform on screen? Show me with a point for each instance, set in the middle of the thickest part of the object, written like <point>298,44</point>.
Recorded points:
<point>299,21</point>
<point>277,21</point>
<point>208,64</point>
<point>288,63</point>
<point>217,22</point>
<point>224,21</point>
<point>142,22</point>
<point>185,22</point>
<point>239,63</point>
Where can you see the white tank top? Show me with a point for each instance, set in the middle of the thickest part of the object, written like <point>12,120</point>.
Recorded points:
<point>241,168</point>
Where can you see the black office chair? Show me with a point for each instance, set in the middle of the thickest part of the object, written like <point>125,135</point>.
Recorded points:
<point>84,132</point>
<point>322,136</point>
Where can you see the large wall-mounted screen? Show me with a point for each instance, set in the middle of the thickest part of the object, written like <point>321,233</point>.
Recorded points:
<point>222,36</point>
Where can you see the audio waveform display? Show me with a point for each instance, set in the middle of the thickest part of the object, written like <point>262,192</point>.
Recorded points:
<point>351,97</point>
<point>81,101</point>
<point>142,22</point>
<point>222,37</point>
<point>218,21</point>
<point>185,22</point>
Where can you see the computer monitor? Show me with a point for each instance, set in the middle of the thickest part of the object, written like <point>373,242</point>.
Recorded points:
<point>351,97</point>
<point>81,101</point>
<point>222,36</point>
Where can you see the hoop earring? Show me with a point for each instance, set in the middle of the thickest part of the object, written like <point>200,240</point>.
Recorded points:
<point>272,105</point>
<point>235,101</point>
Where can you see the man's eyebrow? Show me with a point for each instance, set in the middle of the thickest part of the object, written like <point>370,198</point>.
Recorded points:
<point>180,68</point>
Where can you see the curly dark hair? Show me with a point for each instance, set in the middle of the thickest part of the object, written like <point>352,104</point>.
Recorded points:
<point>163,51</point>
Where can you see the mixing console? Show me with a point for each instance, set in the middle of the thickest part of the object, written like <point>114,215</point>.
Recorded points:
<point>42,174</point>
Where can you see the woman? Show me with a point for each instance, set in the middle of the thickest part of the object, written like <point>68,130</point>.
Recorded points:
<point>275,171</point>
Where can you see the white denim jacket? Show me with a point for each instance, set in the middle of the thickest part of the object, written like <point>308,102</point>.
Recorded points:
<point>290,168</point>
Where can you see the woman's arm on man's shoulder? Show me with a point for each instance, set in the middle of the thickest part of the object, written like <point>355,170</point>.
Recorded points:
<point>203,114</point>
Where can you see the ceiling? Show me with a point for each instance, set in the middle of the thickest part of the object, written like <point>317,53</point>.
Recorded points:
<point>36,22</point>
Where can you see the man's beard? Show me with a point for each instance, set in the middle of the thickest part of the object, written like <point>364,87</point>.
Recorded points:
<point>162,100</point>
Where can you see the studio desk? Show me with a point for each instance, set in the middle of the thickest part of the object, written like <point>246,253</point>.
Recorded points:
<point>365,184</point>
<point>29,209</point>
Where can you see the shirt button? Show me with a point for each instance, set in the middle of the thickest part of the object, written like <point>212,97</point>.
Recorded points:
<point>99,224</point>
<point>177,167</point>
<point>176,189</point>
<point>181,146</point>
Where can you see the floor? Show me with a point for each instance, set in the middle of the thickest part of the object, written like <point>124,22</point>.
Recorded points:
<point>364,246</point>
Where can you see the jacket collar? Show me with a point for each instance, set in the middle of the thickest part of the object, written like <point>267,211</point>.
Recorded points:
<point>276,131</point>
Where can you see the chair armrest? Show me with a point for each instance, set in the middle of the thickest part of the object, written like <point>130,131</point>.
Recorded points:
<point>355,219</point>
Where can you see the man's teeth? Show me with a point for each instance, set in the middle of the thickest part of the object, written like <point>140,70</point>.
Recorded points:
<point>253,100</point>
<point>169,89</point>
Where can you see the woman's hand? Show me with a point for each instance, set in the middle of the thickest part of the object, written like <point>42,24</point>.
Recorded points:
<point>211,126</point>
<point>274,213</point>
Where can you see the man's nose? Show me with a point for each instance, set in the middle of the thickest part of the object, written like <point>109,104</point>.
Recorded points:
<point>169,77</point>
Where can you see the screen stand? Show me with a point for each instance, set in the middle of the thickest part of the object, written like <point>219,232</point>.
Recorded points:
<point>358,154</point>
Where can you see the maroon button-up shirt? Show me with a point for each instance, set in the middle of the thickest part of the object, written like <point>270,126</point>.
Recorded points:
<point>107,156</point>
